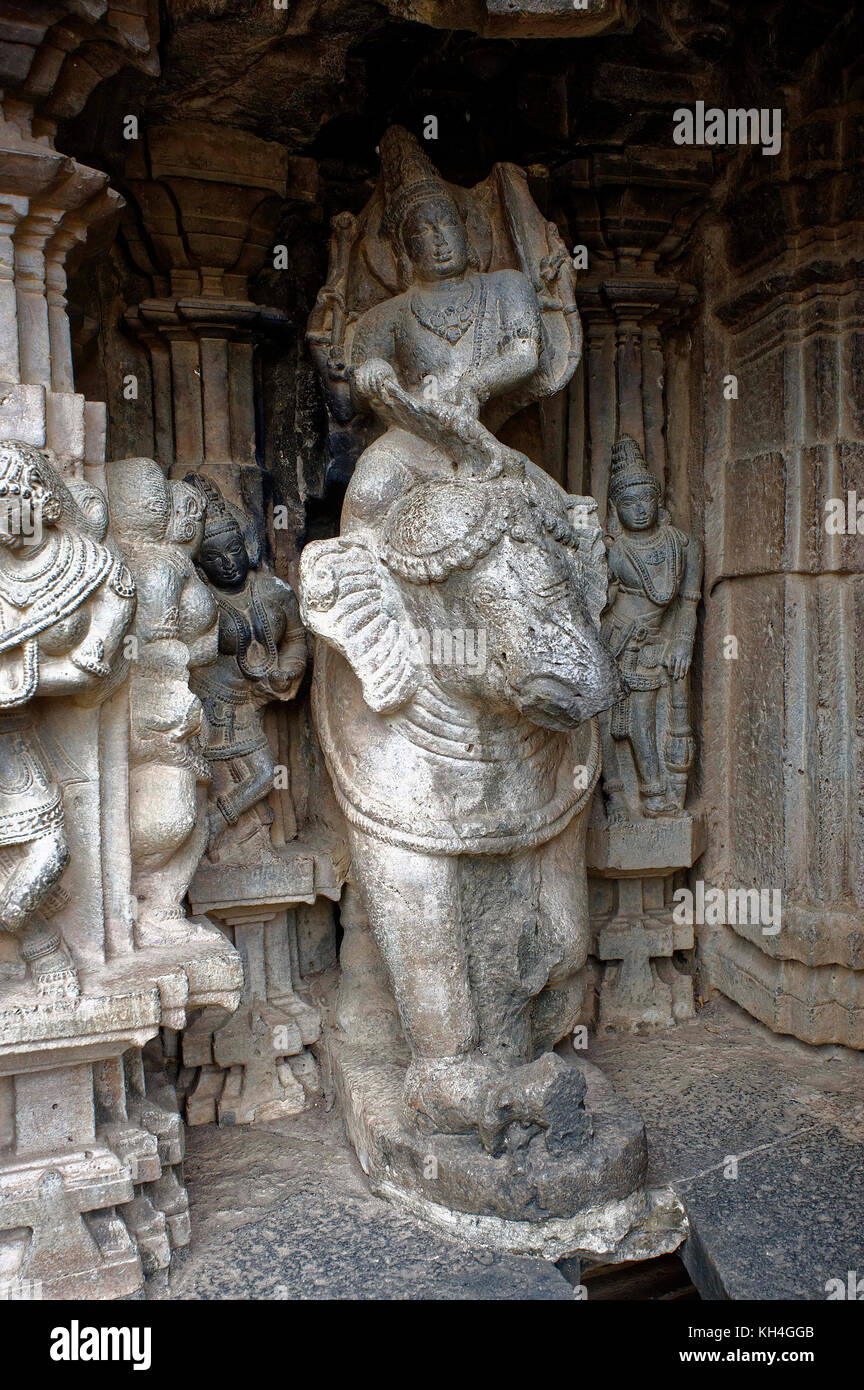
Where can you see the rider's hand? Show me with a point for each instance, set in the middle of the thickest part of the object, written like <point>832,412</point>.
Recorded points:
<point>372,377</point>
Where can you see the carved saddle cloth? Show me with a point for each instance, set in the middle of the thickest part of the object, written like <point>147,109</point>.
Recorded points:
<point>430,780</point>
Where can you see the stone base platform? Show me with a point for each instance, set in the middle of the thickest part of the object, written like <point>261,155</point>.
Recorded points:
<point>574,1198</point>
<point>283,1210</point>
<point>91,1141</point>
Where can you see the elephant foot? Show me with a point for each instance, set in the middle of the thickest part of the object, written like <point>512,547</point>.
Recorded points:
<point>444,1095</point>
<point>462,1095</point>
<point>545,1096</point>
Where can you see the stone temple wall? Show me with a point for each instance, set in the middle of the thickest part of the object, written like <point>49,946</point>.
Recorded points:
<point>782,759</point>
<point>196,224</point>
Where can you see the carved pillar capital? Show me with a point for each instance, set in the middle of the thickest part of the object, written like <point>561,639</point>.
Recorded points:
<point>208,201</point>
<point>49,205</point>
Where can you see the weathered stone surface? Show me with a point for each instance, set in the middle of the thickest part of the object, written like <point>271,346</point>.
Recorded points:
<point>655,573</point>
<point>91,1194</point>
<point>446,530</point>
<point>719,291</point>
<point>761,1140</point>
<point>269,1226</point>
<point>782,765</point>
<point>631,849</point>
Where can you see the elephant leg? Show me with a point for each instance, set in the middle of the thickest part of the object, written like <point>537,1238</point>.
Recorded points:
<point>413,905</point>
<point>507,961</point>
<point>528,940</point>
<point>365,1008</point>
<point>566,931</point>
<point>416,911</point>
<point>414,908</point>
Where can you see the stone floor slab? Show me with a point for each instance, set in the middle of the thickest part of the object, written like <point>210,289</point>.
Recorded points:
<point>283,1212</point>
<point>724,1088</point>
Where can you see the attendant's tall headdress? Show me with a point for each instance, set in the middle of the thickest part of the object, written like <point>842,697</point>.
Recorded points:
<point>220,518</point>
<point>629,469</point>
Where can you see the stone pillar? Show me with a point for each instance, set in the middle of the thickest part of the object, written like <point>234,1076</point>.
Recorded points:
<point>784,557</point>
<point>48,203</point>
<point>209,200</point>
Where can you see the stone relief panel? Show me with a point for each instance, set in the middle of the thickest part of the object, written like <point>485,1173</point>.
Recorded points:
<point>67,601</point>
<point>204,207</point>
<point>647,836</point>
<point>262,659</point>
<point>91,1142</point>
<point>244,879</point>
<point>175,632</point>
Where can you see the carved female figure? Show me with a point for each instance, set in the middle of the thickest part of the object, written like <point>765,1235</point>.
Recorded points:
<point>262,657</point>
<point>66,601</point>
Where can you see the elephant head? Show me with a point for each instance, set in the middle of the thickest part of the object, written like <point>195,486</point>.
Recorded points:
<point>480,586</point>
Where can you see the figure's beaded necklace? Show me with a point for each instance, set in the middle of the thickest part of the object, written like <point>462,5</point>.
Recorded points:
<point>452,319</point>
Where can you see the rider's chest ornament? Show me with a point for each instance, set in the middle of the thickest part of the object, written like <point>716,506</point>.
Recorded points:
<point>451,319</point>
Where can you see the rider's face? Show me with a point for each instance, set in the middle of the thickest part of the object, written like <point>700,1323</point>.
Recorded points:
<point>435,240</point>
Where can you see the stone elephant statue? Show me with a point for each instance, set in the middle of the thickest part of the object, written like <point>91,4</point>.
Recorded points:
<point>458,671</point>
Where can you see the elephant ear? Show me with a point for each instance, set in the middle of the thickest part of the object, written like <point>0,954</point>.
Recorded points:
<point>349,600</point>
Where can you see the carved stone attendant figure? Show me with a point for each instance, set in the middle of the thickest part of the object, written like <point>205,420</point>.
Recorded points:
<point>466,782</point>
<point>66,601</point>
<point>160,524</point>
<point>262,657</point>
<point>655,573</point>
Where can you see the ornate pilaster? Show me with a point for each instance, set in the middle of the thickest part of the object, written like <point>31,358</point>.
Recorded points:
<point>630,303</point>
<point>49,205</point>
<point>783,669</point>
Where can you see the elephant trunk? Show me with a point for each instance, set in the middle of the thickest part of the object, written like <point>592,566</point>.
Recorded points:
<point>561,698</point>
